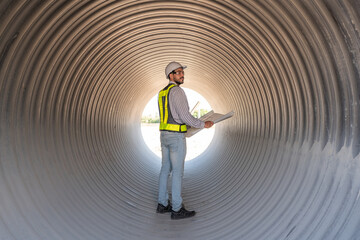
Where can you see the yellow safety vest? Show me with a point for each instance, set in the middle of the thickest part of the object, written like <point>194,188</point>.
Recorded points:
<point>167,122</point>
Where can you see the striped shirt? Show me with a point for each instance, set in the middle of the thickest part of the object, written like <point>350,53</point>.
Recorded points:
<point>179,108</point>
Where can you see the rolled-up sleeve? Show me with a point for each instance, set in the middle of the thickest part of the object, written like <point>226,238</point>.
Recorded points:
<point>179,107</point>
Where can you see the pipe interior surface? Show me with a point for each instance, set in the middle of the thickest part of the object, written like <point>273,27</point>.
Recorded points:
<point>75,77</point>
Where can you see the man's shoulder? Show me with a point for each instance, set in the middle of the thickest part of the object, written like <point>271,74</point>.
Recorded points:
<point>177,90</point>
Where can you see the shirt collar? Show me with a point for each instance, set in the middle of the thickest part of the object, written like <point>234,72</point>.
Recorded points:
<point>171,82</point>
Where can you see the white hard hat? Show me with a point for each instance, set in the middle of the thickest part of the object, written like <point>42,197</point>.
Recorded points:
<point>171,67</point>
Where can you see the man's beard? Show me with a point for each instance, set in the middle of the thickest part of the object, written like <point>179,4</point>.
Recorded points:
<point>178,82</point>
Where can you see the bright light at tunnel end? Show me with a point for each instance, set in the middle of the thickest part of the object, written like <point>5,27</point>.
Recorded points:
<point>196,144</point>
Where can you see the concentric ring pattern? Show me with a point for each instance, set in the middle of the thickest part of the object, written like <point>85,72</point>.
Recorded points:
<point>76,75</point>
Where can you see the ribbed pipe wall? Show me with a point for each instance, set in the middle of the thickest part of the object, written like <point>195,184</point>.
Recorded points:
<point>76,75</point>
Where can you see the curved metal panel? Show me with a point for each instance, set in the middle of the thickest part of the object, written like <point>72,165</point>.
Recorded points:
<point>76,75</point>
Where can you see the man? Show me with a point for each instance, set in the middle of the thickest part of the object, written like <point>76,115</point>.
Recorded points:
<point>174,116</point>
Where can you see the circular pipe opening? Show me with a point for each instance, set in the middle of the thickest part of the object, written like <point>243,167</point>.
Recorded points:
<point>196,144</point>
<point>75,78</point>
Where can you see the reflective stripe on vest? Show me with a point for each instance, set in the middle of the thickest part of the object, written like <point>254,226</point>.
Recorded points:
<point>167,123</point>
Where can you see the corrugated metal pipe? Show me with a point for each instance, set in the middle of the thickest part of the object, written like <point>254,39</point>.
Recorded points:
<point>75,77</point>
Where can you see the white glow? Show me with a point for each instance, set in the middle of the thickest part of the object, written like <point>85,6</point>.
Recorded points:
<point>196,144</point>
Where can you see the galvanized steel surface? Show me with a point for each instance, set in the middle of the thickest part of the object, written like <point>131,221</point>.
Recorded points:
<point>76,75</point>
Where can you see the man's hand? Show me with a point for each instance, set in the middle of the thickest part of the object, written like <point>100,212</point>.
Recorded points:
<point>208,124</point>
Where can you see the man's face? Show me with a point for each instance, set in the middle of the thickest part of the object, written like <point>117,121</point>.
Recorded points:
<point>178,76</point>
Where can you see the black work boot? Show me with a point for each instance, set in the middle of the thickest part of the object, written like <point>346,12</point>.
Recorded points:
<point>182,213</point>
<point>162,209</point>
